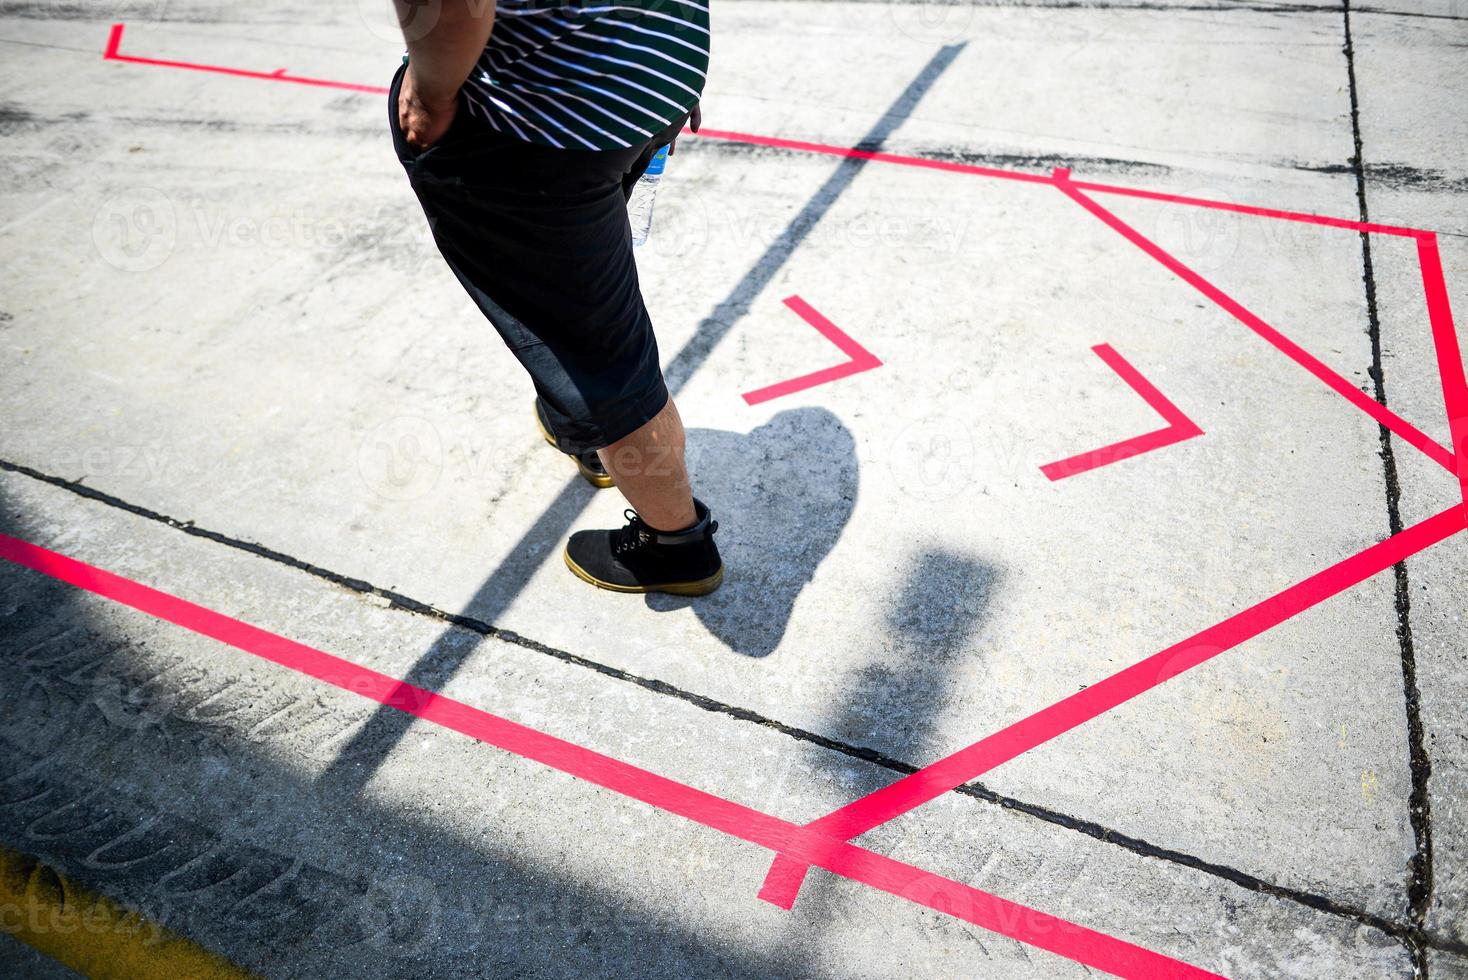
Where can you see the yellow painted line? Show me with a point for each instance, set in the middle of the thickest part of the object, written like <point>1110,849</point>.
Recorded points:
<point>92,934</point>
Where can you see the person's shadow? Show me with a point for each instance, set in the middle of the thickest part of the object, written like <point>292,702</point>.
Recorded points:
<point>784,491</point>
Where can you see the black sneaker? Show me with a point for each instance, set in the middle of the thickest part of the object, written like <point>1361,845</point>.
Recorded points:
<point>588,463</point>
<point>638,558</point>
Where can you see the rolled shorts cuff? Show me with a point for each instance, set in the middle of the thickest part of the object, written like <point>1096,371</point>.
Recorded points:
<point>576,436</point>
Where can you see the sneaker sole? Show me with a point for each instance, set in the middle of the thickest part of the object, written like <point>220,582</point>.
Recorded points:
<point>696,588</point>
<point>602,481</point>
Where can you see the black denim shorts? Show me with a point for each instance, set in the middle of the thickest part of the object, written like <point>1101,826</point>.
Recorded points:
<point>540,240</point>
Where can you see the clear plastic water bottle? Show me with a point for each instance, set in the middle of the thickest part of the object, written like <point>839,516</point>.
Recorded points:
<point>639,205</point>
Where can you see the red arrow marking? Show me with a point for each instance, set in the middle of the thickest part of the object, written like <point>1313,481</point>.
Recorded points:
<point>861,358</point>
<point>1408,432</point>
<point>1179,426</point>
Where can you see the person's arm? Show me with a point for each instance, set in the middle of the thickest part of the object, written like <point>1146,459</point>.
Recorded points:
<point>445,38</point>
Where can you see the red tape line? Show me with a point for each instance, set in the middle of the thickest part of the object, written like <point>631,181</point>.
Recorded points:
<point>114,43</point>
<point>1027,925</point>
<point>1383,415</point>
<point>783,880</point>
<point>1449,356</point>
<point>791,866</point>
<point>1179,426</point>
<point>861,359</point>
<point>854,819</point>
<point>928,163</point>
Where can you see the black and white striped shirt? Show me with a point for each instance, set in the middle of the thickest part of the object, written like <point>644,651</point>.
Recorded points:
<point>591,74</point>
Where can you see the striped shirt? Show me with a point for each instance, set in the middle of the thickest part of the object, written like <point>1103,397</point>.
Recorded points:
<point>590,74</point>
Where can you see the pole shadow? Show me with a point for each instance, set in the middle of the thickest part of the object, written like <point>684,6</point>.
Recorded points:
<point>506,582</point>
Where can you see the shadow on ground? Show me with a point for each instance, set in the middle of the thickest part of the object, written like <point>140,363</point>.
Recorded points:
<point>931,625</point>
<point>933,628</point>
<point>140,770</point>
<point>783,494</point>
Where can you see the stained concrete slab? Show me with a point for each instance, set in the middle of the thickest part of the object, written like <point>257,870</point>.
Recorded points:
<point>256,336</point>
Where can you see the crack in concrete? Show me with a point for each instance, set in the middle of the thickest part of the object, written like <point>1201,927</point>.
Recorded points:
<point>1419,866</point>
<point>1412,933</point>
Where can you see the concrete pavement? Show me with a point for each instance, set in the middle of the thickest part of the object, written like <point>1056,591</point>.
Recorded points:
<point>224,312</point>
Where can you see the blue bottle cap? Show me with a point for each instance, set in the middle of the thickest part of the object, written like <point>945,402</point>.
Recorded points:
<point>658,162</point>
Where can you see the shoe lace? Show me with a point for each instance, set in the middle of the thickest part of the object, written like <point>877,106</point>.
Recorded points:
<point>635,535</point>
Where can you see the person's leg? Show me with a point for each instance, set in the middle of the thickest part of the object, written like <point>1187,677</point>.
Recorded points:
<point>647,466</point>
<point>539,239</point>
<point>587,461</point>
<point>668,543</point>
